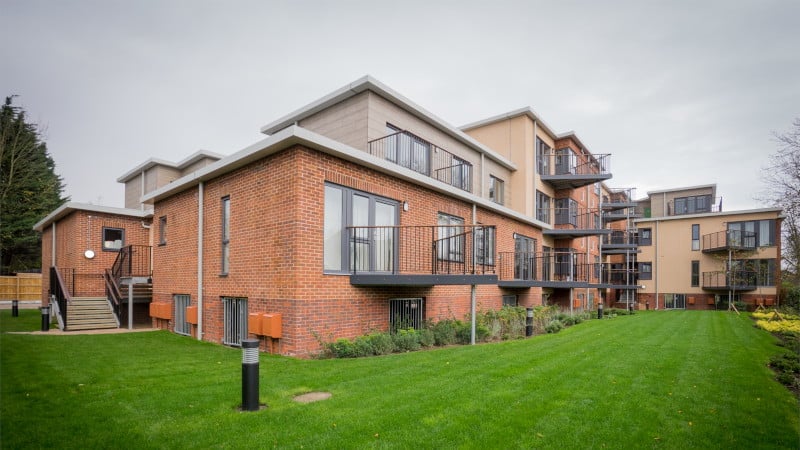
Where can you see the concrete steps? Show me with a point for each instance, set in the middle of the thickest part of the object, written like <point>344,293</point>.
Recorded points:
<point>90,313</point>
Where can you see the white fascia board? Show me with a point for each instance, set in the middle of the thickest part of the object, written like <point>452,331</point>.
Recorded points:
<point>69,207</point>
<point>197,156</point>
<point>152,162</point>
<point>713,187</point>
<point>777,211</point>
<point>367,83</point>
<point>295,135</point>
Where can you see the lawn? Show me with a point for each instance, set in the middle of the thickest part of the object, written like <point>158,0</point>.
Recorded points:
<point>654,380</point>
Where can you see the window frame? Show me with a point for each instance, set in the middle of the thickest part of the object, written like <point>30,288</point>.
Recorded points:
<point>543,207</point>
<point>645,241</point>
<point>162,230</point>
<point>542,157</point>
<point>455,251</point>
<point>496,190</point>
<point>695,237</point>
<point>645,274</point>
<point>695,277</point>
<point>181,302</point>
<point>103,239</point>
<point>225,236</point>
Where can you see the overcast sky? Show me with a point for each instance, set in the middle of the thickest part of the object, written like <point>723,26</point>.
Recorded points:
<point>680,93</point>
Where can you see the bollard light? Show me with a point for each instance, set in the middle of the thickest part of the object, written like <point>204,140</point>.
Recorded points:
<point>14,308</point>
<point>250,375</point>
<point>529,322</point>
<point>45,318</point>
<point>600,310</point>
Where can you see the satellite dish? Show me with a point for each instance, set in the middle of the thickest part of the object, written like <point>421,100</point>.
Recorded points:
<point>89,254</point>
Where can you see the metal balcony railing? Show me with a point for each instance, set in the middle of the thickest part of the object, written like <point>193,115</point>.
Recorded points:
<point>423,250</point>
<point>740,280</point>
<point>578,218</point>
<point>550,267</point>
<point>133,261</point>
<point>620,238</point>
<point>619,197</point>
<point>613,274</point>
<point>567,162</point>
<point>729,240</point>
<point>412,152</point>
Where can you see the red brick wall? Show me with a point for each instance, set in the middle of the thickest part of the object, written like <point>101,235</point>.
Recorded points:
<point>277,253</point>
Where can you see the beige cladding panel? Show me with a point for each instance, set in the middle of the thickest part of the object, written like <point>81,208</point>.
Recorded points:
<point>133,192</point>
<point>345,122</point>
<point>197,165</point>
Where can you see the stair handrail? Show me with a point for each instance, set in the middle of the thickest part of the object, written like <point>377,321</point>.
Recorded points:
<point>58,289</point>
<point>112,292</point>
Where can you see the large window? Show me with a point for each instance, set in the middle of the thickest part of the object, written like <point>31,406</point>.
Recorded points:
<point>566,211</point>
<point>113,239</point>
<point>542,207</point>
<point>646,236</point>
<point>695,236</point>
<point>496,188</point>
<point>762,230</point>
<point>360,248</point>
<point>484,245</point>
<point>566,161</point>
<point>450,244</point>
<point>524,258</point>
<point>408,150</point>
<point>693,204</point>
<point>542,157</point>
<point>226,236</point>
<point>695,273</point>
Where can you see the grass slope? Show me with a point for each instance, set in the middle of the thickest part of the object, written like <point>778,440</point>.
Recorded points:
<point>653,380</point>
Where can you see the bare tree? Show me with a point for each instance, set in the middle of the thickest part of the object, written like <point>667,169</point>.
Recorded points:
<point>782,178</point>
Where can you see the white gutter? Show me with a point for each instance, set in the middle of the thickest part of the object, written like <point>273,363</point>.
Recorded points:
<point>200,192</point>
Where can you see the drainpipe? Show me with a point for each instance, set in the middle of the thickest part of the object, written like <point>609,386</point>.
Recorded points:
<point>655,269</point>
<point>473,288</point>
<point>200,192</point>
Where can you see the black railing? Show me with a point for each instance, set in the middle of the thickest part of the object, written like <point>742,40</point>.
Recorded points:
<point>60,292</point>
<point>427,249</point>
<point>734,279</point>
<point>545,267</point>
<point>730,239</point>
<point>619,196</point>
<point>566,162</point>
<point>617,274</point>
<point>113,294</point>
<point>133,261</point>
<point>412,152</point>
<point>620,238</point>
<point>578,218</point>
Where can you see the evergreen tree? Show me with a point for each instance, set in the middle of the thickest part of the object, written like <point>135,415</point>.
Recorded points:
<point>29,190</point>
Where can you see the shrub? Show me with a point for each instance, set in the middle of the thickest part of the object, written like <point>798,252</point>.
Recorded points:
<point>382,343</point>
<point>342,348</point>
<point>554,326</point>
<point>426,338</point>
<point>445,332</point>
<point>362,346</point>
<point>406,340</point>
<point>505,323</point>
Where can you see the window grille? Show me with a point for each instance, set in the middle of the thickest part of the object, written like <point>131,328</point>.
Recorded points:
<point>235,318</point>
<point>181,325</point>
<point>406,313</point>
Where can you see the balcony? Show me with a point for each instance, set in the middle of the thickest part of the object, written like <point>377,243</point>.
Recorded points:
<point>723,241</point>
<point>617,199</point>
<point>695,204</point>
<point>422,255</point>
<point>735,280</point>
<point>560,269</point>
<point>620,243</point>
<point>572,171</point>
<point>573,222</point>
<point>419,155</point>
<point>617,276</point>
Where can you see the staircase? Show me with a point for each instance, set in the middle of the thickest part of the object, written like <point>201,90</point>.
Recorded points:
<point>90,313</point>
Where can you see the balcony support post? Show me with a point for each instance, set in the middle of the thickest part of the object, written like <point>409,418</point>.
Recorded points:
<point>473,295</point>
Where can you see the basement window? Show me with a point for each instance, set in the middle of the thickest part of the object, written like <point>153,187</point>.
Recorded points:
<point>113,239</point>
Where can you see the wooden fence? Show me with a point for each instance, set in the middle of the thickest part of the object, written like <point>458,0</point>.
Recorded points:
<point>23,286</point>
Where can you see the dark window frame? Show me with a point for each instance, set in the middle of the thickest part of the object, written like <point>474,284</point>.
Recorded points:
<point>496,190</point>
<point>225,238</point>
<point>645,236</point>
<point>543,207</point>
<point>646,274</point>
<point>104,239</point>
<point>162,230</point>
<point>695,236</point>
<point>695,280</point>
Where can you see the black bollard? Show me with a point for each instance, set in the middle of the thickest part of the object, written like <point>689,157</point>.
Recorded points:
<point>529,322</point>
<point>45,318</point>
<point>14,308</point>
<point>250,375</point>
<point>600,310</point>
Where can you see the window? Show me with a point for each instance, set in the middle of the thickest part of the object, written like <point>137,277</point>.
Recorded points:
<point>484,245</point>
<point>693,204</point>
<point>695,236</point>
<point>542,207</point>
<point>226,236</point>
<point>496,187</point>
<point>542,157</point>
<point>181,302</point>
<point>450,245</point>
<point>646,236</point>
<point>753,233</point>
<point>645,271</point>
<point>406,313</point>
<point>566,162</point>
<point>408,150</point>
<point>113,239</point>
<point>460,175</point>
<point>235,320</point>
<point>765,269</point>
<point>162,230</point>
<point>524,258</point>
<point>675,301</point>
<point>695,273</point>
<point>360,248</point>
<point>510,300</point>
<point>566,211</point>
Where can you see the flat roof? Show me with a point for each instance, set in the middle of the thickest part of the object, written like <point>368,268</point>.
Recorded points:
<point>70,207</point>
<point>368,83</point>
<point>712,214</point>
<point>712,186</point>
<point>152,162</point>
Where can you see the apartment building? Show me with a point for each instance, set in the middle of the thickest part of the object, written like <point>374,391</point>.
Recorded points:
<point>694,255</point>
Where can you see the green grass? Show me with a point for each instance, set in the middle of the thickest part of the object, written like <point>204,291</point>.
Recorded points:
<point>653,380</point>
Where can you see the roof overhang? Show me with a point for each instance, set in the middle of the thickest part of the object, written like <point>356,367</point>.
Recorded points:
<point>70,207</point>
<point>153,162</point>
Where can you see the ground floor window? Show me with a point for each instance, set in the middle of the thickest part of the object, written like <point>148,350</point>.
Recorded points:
<point>675,301</point>
<point>406,313</point>
<point>510,300</point>
<point>235,319</point>
<point>181,302</point>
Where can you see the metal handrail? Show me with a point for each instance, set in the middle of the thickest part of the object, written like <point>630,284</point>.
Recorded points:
<point>58,289</point>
